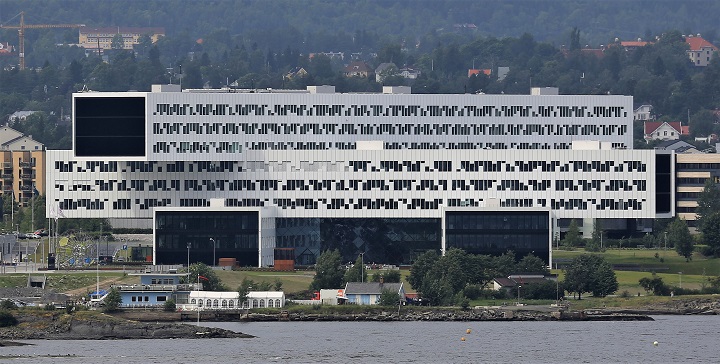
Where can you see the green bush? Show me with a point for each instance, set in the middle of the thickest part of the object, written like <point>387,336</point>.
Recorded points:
<point>7,319</point>
<point>8,305</point>
<point>169,306</point>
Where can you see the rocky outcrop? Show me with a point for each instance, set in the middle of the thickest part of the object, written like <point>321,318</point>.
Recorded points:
<point>449,315</point>
<point>682,306</point>
<point>97,326</point>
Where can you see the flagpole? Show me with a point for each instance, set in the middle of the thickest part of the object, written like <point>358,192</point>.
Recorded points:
<point>198,308</point>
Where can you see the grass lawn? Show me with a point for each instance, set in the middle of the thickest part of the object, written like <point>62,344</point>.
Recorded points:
<point>292,281</point>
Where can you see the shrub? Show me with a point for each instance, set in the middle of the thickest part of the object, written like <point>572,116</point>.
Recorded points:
<point>473,291</point>
<point>625,294</point>
<point>389,298</point>
<point>8,305</point>
<point>7,319</point>
<point>169,306</point>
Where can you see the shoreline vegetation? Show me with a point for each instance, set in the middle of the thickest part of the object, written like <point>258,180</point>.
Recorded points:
<point>36,324</point>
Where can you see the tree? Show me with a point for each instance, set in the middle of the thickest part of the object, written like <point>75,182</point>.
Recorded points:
<point>203,274</point>
<point>117,42</point>
<point>708,202</point>
<point>572,237</point>
<point>420,268</point>
<point>595,242</point>
<point>711,233</point>
<point>112,301</point>
<point>654,284</point>
<point>531,264</point>
<point>328,271</point>
<point>245,286</point>
<point>169,306</point>
<point>389,298</point>
<point>7,319</point>
<point>391,276</point>
<point>357,273</point>
<point>679,236</point>
<point>590,273</point>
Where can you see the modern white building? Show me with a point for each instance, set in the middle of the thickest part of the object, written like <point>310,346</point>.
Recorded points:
<point>238,173</point>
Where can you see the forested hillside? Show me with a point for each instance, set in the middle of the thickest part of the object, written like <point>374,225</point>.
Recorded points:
<point>254,44</point>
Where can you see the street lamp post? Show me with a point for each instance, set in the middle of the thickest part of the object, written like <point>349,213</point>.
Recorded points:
<point>213,242</point>
<point>518,301</point>
<point>188,264</point>
<point>362,267</point>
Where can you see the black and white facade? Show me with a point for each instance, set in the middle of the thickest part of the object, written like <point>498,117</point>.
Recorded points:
<point>374,173</point>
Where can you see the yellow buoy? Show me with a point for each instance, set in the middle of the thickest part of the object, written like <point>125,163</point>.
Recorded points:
<point>468,331</point>
<point>655,343</point>
<point>462,338</point>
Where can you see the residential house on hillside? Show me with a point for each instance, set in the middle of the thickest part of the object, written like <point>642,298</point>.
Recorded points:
<point>474,72</point>
<point>20,115</point>
<point>631,46</point>
<point>409,73</point>
<point>659,130</point>
<point>357,69</point>
<point>678,146</point>
<point>5,49</point>
<point>296,72</point>
<point>23,170</point>
<point>101,38</point>
<point>701,51</point>
<point>368,293</point>
<point>384,70</point>
<point>643,112</point>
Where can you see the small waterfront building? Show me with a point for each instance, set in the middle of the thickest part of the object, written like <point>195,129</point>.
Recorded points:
<point>155,289</point>
<point>228,300</point>
<point>368,293</point>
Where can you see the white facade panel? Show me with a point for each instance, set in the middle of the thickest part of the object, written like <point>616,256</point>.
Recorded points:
<point>363,183</point>
<point>223,126</point>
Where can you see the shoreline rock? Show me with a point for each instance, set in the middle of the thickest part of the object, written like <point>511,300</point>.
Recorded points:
<point>40,325</point>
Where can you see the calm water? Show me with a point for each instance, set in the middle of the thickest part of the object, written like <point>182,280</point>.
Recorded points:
<point>681,339</point>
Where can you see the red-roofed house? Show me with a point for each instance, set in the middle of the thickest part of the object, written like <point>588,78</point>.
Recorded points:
<point>633,45</point>
<point>473,72</point>
<point>659,130</point>
<point>701,51</point>
<point>357,69</point>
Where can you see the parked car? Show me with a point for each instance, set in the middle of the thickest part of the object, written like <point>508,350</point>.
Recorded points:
<point>32,236</point>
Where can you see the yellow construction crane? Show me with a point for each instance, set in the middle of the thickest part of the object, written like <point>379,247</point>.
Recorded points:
<point>21,31</point>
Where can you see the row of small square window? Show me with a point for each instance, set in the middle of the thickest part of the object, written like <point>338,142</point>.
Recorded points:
<point>376,110</point>
<point>360,203</point>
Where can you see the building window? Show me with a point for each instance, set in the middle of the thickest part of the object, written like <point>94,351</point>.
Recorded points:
<point>192,301</point>
<point>277,303</point>
<point>215,303</point>
<point>262,303</point>
<point>231,303</point>
<point>208,303</point>
<point>223,304</point>
<point>147,298</point>
<point>270,303</point>
<point>255,303</point>
<point>162,298</point>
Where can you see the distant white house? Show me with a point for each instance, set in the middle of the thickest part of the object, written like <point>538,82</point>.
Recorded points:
<point>368,293</point>
<point>212,300</point>
<point>643,113</point>
<point>385,70</point>
<point>20,115</point>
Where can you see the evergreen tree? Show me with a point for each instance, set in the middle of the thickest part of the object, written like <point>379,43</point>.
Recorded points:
<point>708,202</point>
<point>328,271</point>
<point>679,236</point>
<point>112,301</point>
<point>572,238</point>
